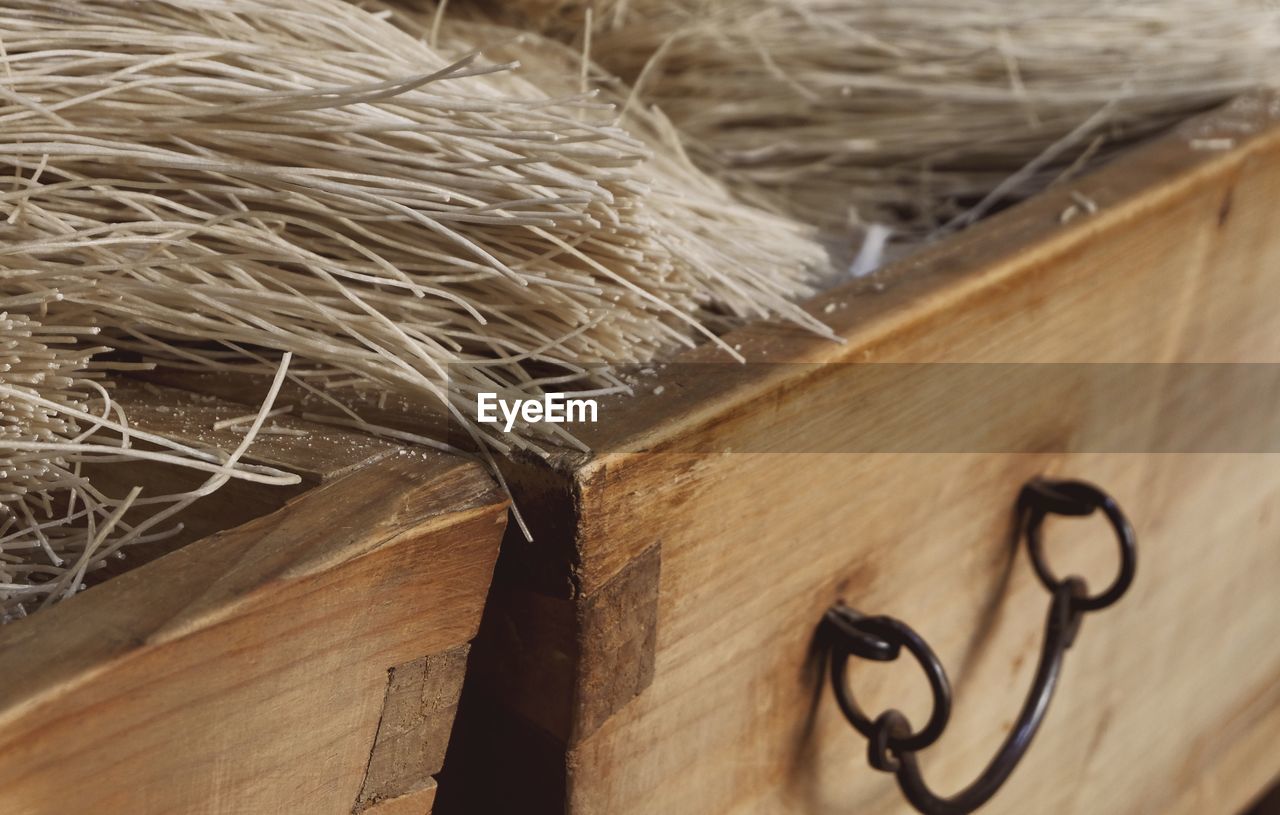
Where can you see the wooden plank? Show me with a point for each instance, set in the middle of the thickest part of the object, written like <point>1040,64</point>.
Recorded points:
<point>417,717</point>
<point>248,672</point>
<point>398,412</point>
<point>1237,760</point>
<point>321,455</point>
<point>418,802</point>
<point>1268,804</point>
<point>1181,263</point>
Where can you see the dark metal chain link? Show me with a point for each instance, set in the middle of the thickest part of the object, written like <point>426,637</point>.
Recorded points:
<point>892,744</point>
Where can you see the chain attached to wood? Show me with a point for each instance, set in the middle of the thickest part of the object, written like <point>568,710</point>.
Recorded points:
<point>892,743</point>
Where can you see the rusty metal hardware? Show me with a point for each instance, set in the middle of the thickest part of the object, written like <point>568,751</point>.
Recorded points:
<point>892,744</point>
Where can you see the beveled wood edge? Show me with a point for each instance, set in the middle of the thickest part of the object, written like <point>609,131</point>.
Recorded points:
<point>325,453</point>
<point>1019,244</point>
<point>420,801</point>
<point>994,253</point>
<point>53,652</point>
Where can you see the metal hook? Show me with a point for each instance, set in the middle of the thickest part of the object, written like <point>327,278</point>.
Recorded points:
<point>892,746</point>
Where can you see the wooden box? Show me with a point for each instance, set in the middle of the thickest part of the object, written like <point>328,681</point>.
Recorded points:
<point>305,661</point>
<point>654,650</point>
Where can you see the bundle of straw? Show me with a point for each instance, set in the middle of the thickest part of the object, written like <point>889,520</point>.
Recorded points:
<point>924,114</point>
<point>568,19</point>
<point>55,417</point>
<point>219,182</point>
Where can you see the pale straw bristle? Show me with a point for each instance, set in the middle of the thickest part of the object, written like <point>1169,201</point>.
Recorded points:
<point>56,417</point>
<point>754,264</point>
<point>920,115</point>
<point>308,177</point>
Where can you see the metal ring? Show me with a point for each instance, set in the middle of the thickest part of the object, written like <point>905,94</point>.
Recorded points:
<point>899,634</point>
<point>888,726</point>
<point>844,623</point>
<point>891,746</point>
<point>1077,498</point>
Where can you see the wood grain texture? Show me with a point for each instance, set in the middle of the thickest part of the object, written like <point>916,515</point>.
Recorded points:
<point>413,733</point>
<point>247,672</point>
<point>1181,263</point>
<point>321,455</point>
<point>420,801</point>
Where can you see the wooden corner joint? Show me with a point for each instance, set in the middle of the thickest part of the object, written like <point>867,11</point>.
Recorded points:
<point>413,732</point>
<point>617,629</point>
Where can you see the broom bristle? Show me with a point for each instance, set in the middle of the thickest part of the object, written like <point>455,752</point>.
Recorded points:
<point>307,177</point>
<point>56,416</point>
<point>924,114</point>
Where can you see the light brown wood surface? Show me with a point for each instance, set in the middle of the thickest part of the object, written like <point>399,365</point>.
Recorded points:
<point>321,455</point>
<point>268,667</point>
<point>663,634</point>
<point>413,731</point>
<point>418,802</point>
